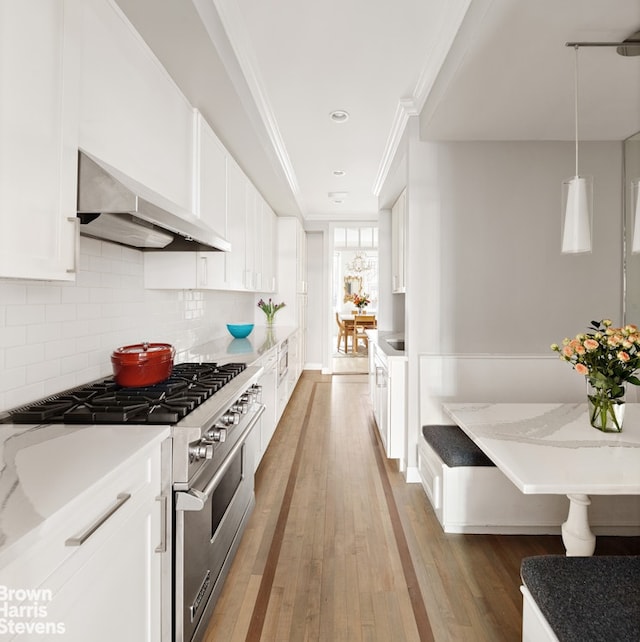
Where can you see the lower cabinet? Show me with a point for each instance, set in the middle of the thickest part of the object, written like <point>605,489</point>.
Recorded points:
<point>388,397</point>
<point>269,383</point>
<point>96,573</point>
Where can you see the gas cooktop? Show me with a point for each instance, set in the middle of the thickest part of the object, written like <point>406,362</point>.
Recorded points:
<point>105,402</point>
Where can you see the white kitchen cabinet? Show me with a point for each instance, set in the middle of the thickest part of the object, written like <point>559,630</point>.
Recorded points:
<point>132,115</point>
<point>291,261</point>
<point>210,195</point>
<point>268,249</point>
<point>388,390</point>
<point>398,243</point>
<point>301,259</point>
<point>252,275</point>
<point>39,91</point>
<point>210,190</point>
<point>236,226</point>
<point>269,383</point>
<point>99,562</point>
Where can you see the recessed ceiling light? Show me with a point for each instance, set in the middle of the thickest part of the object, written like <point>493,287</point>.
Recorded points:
<point>339,172</point>
<point>338,197</point>
<point>339,116</point>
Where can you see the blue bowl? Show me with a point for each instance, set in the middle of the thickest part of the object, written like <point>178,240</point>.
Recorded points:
<point>240,330</point>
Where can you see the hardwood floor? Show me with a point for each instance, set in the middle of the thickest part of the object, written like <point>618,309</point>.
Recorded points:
<point>340,548</point>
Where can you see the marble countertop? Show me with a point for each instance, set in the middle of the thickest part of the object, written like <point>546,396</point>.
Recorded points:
<point>43,468</point>
<point>248,350</point>
<point>46,467</point>
<point>552,448</point>
<point>380,337</point>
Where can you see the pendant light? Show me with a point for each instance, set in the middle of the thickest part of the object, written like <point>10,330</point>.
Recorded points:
<point>577,193</point>
<point>635,205</point>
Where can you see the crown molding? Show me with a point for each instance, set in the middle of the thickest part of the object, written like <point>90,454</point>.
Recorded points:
<point>412,106</point>
<point>241,63</point>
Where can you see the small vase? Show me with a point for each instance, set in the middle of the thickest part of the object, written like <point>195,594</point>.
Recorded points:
<point>606,407</point>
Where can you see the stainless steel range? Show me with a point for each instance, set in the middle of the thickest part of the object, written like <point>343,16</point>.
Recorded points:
<point>212,410</point>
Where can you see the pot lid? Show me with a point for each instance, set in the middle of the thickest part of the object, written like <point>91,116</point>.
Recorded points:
<point>143,352</point>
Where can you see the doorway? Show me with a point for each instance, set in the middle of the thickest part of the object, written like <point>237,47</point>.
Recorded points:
<point>354,292</point>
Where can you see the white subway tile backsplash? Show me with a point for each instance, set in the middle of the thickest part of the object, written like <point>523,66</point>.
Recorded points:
<point>25,314</point>
<point>24,355</point>
<point>88,279</point>
<point>42,332</point>
<point>42,371</point>
<point>43,294</point>
<point>60,312</point>
<point>17,397</point>
<point>113,281</point>
<point>13,336</point>
<point>12,378</point>
<point>73,363</point>
<point>58,349</point>
<point>58,336</point>
<point>88,311</point>
<point>75,295</point>
<point>111,251</point>
<point>60,383</point>
<point>12,292</point>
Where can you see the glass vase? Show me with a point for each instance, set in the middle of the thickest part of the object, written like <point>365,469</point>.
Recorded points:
<point>606,407</point>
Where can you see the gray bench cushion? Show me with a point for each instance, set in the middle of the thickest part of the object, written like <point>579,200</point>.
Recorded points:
<point>454,447</point>
<point>587,598</point>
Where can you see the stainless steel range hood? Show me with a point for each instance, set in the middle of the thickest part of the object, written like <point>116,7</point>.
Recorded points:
<point>114,207</point>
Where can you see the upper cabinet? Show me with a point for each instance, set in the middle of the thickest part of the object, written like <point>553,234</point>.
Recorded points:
<point>132,114</point>
<point>267,247</point>
<point>228,202</point>
<point>398,243</point>
<point>292,279</point>
<point>38,134</point>
<point>210,168</point>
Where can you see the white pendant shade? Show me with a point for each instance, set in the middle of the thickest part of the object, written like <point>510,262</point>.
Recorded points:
<point>635,247</point>
<point>576,235</point>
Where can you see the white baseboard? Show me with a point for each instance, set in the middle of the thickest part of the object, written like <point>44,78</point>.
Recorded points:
<point>412,475</point>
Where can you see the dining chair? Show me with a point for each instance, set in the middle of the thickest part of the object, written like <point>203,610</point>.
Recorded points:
<point>362,323</point>
<point>343,332</point>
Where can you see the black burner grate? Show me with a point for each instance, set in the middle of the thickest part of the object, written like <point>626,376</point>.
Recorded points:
<point>105,402</point>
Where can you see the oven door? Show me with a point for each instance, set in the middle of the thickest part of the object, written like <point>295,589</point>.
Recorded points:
<point>209,521</point>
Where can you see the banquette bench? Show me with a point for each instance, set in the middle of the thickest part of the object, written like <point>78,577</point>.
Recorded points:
<point>575,599</point>
<point>467,492</point>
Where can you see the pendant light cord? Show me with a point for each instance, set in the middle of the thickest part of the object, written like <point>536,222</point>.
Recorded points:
<point>575,90</point>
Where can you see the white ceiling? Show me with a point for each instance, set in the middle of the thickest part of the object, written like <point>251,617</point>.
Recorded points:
<point>267,74</point>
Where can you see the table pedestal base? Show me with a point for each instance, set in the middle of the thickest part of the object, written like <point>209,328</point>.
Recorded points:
<point>578,539</point>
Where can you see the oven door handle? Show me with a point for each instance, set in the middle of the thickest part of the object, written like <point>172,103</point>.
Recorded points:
<point>193,499</point>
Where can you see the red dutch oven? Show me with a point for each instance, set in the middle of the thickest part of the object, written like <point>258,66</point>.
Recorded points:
<point>142,364</point>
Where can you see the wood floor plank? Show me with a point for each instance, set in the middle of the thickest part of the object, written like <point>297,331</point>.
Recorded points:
<point>340,549</point>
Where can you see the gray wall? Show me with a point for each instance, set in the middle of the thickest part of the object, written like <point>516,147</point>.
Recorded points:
<point>486,269</point>
<point>485,273</point>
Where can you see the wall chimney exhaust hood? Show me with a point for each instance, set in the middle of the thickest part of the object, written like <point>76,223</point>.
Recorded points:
<point>114,207</point>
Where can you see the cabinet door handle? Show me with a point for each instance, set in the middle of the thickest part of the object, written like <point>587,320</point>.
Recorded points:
<point>75,221</point>
<point>79,540</point>
<point>204,272</point>
<point>162,546</point>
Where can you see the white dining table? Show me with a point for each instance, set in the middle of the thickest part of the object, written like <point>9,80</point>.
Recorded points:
<point>552,449</point>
